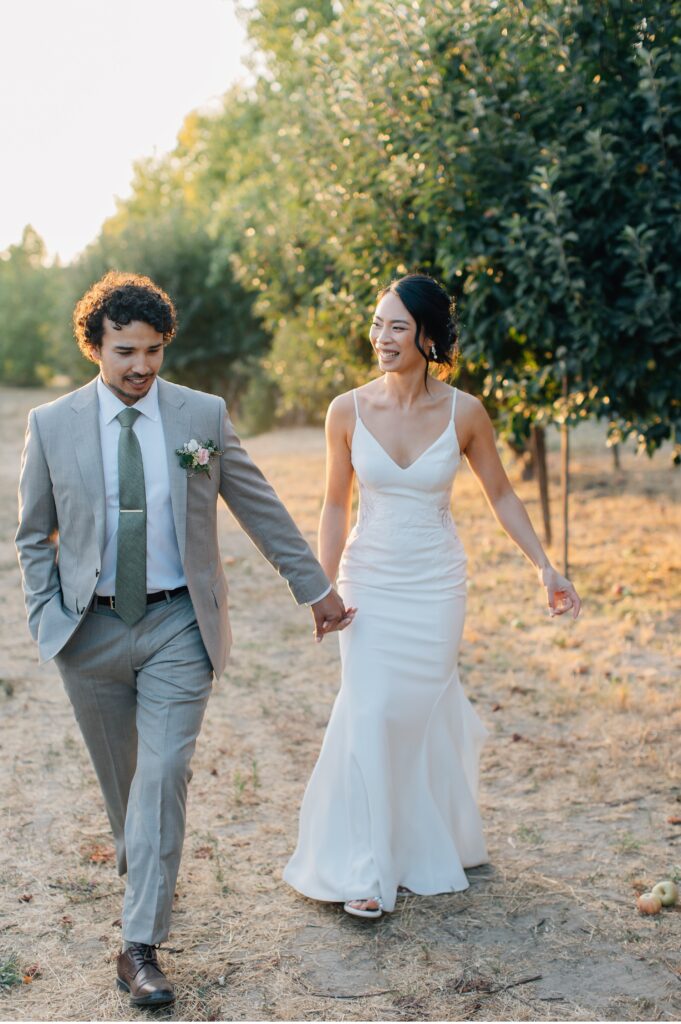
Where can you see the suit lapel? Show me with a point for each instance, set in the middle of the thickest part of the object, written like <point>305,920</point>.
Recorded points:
<point>176,421</point>
<point>87,448</point>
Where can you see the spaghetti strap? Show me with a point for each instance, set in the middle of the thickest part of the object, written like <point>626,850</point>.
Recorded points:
<point>454,401</point>
<point>354,395</point>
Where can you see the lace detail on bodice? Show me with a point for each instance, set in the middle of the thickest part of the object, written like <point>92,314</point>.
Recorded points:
<point>386,510</point>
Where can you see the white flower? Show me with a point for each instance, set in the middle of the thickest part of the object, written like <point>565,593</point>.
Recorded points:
<point>192,446</point>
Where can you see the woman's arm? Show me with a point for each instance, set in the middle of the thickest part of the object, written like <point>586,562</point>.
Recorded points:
<point>479,446</point>
<point>334,523</point>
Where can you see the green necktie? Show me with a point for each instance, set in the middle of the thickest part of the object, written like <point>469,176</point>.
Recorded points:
<point>131,550</point>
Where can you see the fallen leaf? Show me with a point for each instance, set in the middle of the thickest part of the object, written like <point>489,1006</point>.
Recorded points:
<point>99,854</point>
<point>496,707</point>
<point>516,737</point>
<point>204,853</point>
<point>674,819</point>
<point>26,897</point>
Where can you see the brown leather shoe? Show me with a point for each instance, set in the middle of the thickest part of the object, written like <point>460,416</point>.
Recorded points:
<point>140,975</point>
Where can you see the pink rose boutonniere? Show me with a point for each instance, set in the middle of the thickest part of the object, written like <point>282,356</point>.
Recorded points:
<point>195,456</point>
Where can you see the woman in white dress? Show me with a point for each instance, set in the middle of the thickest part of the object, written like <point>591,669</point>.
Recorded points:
<point>392,801</point>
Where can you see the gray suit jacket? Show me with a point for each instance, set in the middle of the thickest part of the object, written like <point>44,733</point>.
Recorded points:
<point>60,538</point>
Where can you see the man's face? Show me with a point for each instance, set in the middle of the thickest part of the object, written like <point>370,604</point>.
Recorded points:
<point>129,358</point>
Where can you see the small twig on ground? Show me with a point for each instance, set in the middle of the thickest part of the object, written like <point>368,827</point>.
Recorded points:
<point>627,800</point>
<point>514,984</point>
<point>564,885</point>
<point>641,796</point>
<point>91,899</point>
<point>361,995</point>
<point>672,970</point>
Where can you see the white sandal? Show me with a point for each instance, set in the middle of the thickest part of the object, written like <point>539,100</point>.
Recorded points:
<point>356,912</point>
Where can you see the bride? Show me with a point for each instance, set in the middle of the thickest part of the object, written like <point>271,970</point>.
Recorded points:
<point>392,802</point>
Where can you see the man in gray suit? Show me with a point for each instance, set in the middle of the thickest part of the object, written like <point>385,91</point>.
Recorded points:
<point>124,585</point>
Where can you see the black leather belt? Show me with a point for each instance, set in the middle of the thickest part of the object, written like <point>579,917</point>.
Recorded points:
<point>161,595</point>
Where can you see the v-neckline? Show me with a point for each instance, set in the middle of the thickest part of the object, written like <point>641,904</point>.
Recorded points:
<point>403,469</point>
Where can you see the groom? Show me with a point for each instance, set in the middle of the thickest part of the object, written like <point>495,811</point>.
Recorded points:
<point>124,585</point>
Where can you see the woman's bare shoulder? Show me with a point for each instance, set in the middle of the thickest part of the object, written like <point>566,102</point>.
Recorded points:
<point>468,403</point>
<point>470,417</point>
<point>341,411</point>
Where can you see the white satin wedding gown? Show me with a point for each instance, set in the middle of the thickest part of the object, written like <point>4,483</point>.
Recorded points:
<point>392,799</point>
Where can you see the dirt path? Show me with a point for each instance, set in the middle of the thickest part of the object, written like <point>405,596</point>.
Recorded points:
<point>579,778</point>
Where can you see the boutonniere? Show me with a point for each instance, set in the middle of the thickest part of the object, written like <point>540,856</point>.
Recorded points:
<point>195,456</point>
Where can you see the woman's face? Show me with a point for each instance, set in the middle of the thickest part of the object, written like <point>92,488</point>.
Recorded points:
<point>392,335</point>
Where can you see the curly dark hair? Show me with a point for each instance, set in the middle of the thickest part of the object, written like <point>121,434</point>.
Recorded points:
<point>122,298</point>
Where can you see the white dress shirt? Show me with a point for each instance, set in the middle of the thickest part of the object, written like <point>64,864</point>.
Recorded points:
<point>164,566</point>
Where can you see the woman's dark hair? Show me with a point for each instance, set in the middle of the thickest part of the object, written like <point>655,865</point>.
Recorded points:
<point>122,298</point>
<point>434,313</point>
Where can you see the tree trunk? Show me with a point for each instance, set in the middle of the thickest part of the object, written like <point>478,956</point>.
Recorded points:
<point>616,463</point>
<point>539,453</point>
<point>565,476</point>
<point>526,456</point>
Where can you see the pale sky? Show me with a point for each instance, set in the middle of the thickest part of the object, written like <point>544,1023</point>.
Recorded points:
<point>86,88</point>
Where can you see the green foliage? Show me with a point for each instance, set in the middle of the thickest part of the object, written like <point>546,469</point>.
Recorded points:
<point>310,359</point>
<point>10,973</point>
<point>258,405</point>
<point>527,155</point>
<point>28,289</point>
<point>279,26</point>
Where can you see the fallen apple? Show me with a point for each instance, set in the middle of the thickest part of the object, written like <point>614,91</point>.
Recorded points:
<point>648,903</point>
<point>666,892</point>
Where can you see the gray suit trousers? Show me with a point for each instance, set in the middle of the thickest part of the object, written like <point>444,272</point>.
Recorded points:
<point>139,694</point>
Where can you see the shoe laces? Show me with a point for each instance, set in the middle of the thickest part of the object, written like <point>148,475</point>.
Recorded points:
<point>143,954</point>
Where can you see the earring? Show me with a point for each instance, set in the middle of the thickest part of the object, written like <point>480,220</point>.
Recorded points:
<point>433,353</point>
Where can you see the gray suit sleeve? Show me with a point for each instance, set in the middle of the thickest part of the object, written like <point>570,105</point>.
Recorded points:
<point>37,538</point>
<point>255,505</point>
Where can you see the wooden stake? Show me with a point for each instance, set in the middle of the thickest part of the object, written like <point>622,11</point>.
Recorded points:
<point>539,451</point>
<point>565,475</point>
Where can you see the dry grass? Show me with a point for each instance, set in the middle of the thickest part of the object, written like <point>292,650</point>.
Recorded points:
<point>580,774</point>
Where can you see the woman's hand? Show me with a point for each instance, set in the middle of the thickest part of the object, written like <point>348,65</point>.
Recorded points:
<point>330,614</point>
<point>560,593</point>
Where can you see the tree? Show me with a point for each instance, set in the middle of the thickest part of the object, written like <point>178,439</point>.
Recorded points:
<point>28,287</point>
<point>161,231</point>
<point>526,154</point>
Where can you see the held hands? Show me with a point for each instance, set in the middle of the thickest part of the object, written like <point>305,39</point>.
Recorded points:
<point>560,593</point>
<point>330,614</point>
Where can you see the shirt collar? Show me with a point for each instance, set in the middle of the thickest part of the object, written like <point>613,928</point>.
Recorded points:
<point>110,405</point>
